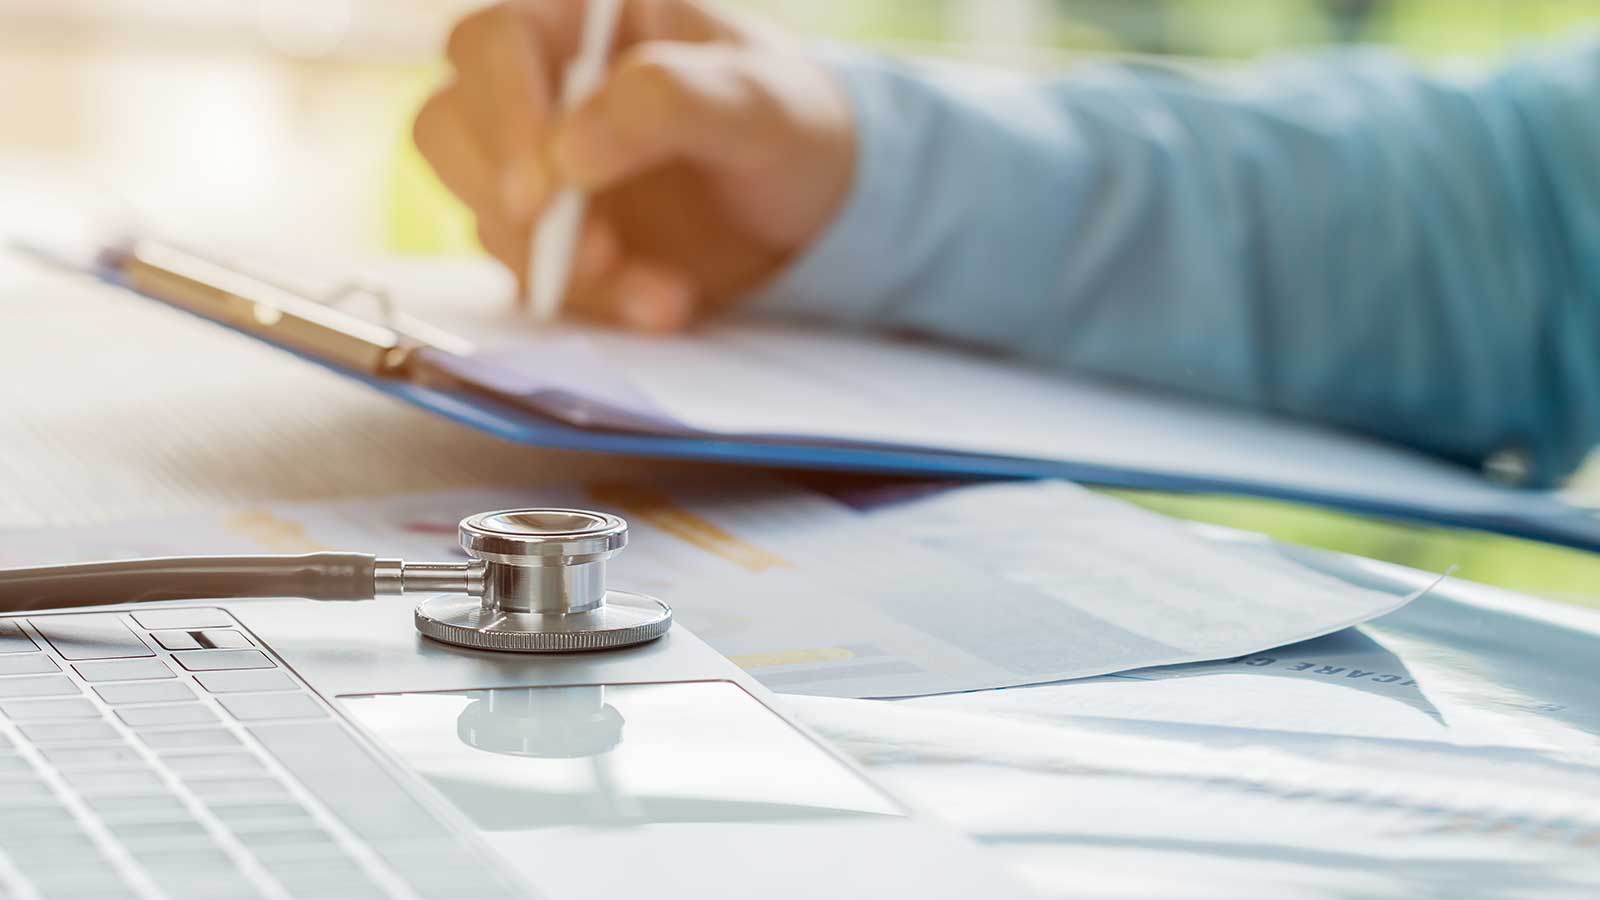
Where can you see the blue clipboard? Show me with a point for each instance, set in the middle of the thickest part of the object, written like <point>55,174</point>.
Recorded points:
<point>1542,517</point>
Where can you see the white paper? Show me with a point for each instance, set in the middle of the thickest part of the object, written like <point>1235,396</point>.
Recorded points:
<point>1446,750</point>
<point>753,380</point>
<point>978,588</point>
<point>1085,806</point>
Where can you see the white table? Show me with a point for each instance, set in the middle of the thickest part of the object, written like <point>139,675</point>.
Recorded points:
<point>115,407</point>
<point>1473,772</point>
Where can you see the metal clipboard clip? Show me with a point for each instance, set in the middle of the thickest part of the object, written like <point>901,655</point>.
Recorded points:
<point>387,346</point>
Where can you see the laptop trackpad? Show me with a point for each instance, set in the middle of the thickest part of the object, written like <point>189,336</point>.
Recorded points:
<point>610,791</point>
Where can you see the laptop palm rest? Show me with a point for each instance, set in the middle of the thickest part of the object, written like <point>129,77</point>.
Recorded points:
<point>659,770</point>
<point>293,749</point>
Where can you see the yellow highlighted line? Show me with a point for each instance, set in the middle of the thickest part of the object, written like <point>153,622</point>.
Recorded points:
<point>659,509</point>
<point>791,657</point>
<point>272,532</point>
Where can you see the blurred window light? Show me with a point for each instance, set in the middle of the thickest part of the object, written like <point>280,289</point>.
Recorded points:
<point>309,29</point>
<point>291,117</point>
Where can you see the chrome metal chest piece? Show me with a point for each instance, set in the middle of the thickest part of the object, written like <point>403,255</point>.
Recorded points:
<point>537,584</point>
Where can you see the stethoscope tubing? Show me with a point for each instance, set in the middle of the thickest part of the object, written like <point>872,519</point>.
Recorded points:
<point>314,576</point>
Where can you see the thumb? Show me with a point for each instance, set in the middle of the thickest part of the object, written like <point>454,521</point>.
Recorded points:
<point>665,100</point>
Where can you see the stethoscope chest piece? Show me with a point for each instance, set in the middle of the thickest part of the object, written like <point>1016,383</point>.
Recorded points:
<point>542,587</point>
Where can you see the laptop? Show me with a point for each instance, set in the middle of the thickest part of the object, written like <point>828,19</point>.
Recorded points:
<point>284,749</point>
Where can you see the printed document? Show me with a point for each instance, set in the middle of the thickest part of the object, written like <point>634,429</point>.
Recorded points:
<point>981,587</point>
<point>745,379</point>
<point>753,381</point>
<point>1453,744</point>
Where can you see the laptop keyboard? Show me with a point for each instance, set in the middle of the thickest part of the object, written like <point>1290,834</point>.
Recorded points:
<point>163,754</point>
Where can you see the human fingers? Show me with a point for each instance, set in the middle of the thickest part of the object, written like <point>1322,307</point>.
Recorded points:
<point>506,97</point>
<point>510,59</point>
<point>643,295</point>
<point>666,100</point>
<point>599,251</point>
<point>507,243</point>
<point>442,135</point>
<point>680,20</point>
<point>631,291</point>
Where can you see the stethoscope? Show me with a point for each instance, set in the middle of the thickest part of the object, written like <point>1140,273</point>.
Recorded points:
<point>536,583</point>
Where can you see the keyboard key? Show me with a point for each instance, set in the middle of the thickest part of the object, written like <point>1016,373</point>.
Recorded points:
<point>68,887</point>
<point>241,680</point>
<point>330,886</point>
<point>195,856</point>
<point>239,809</point>
<point>199,738</point>
<point>159,832</point>
<point>133,815</point>
<point>286,839</point>
<point>225,639</point>
<point>341,773</point>
<point>221,887</point>
<point>34,822</point>
<point>123,670</point>
<point>187,618</point>
<point>37,686</point>
<point>216,765</point>
<point>254,816</point>
<point>93,756</point>
<point>207,639</point>
<point>60,854</point>
<point>477,890</point>
<point>33,812</point>
<point>138,807</point>
<point>144,692</point>
<point>343,892</point>
<point>62,847</point>
<point>212,660</point>
<point>30,787</point>
<point>65,847</point>
<point>258,707</point>
<point>108,889</point>
<point>115,781</point>
<point>57,862</point>
<point>27,664</point>
<point>71,732</point>
<point>333,868</point>
<point>179,714</point>
<point>65,877</point>
<point>271,854</point>
<point>90,636</point>
<point>177,640</point>
<point>13,639</point>
<point>14,769</point>
<point>30,710</point>
<point>177,874</point>
<point>228,791</point>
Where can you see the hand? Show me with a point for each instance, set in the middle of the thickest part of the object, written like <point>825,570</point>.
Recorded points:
<point>714,150</point>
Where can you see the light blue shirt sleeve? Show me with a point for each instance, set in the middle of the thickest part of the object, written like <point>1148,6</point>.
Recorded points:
<point>1339,238</point>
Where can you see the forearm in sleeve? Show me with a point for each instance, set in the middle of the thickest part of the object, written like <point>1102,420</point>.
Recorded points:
<point>1339,238</point>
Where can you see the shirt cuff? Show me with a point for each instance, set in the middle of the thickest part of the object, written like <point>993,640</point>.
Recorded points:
<point>846,274</point>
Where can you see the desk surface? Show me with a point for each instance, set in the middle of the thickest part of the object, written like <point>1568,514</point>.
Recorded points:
<point>119,408</point>
<point>116,408</point>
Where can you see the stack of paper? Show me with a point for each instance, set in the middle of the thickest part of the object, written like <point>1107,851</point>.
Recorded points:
<point>977,588</point>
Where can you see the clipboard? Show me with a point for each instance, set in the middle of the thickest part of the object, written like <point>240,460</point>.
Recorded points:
<point>411,360</point>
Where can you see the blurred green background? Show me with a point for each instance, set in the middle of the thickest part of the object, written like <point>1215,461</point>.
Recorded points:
<point>285,123</point>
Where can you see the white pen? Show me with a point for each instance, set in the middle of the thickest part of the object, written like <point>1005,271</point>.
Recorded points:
<point>555,240</point>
